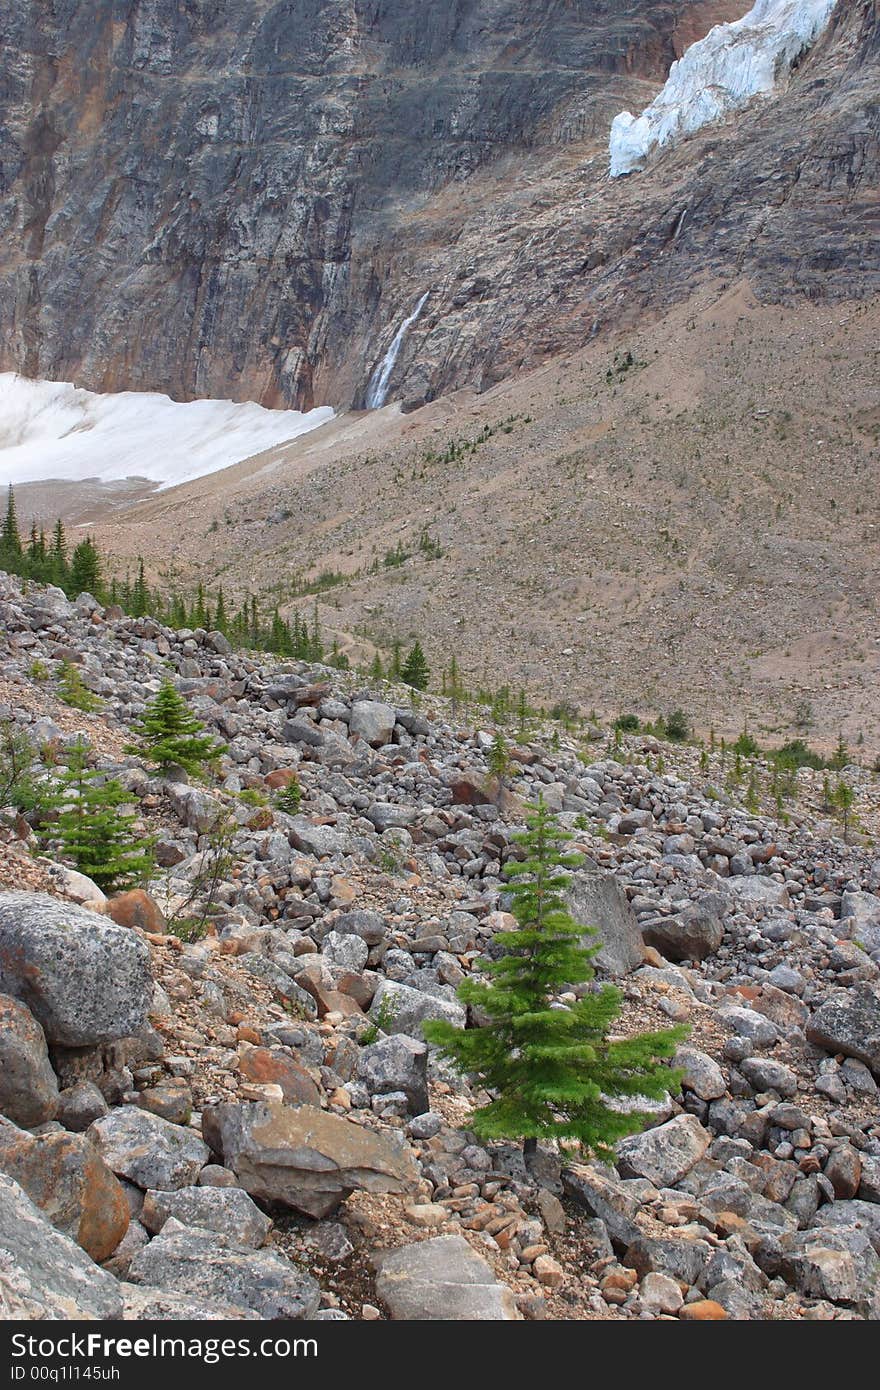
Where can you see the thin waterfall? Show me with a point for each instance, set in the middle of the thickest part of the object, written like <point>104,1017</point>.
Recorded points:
<point>377,391</point>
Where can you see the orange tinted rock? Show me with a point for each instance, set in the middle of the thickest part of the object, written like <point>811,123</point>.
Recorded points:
<point>280,777</point>
<point>136,909</point>
<point>706,1310</point>
<point>67,1178</point>
<point>264,1065</point>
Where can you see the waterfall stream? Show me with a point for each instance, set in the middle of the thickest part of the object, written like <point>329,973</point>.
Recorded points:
<point>377,391</point>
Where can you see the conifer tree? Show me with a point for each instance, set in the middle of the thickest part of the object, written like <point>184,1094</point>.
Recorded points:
<point>10,540</point>
<point>396,666</point>
<point>415,669</point>
<point>94,829</point>
<point>59,565</point>
<point>376,671</point>
<point>499,758</point>
<point>86,574</point>
<point>168,733</point>
<point>552,1072</point>
<point>73,691</point>
<point>221,620</point>
<point>140,594</point>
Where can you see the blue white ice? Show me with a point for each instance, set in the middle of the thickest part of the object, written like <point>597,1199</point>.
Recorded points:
<point>718,74</point>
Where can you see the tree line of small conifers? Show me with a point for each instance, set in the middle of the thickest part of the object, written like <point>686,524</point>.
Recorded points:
<point>48,559</point>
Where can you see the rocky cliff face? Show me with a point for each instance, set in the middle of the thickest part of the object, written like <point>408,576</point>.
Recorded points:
<point>245,197</point>
<point>205,198</point>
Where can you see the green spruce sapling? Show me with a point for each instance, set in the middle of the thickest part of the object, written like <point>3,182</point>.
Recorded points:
<point>169,733</point>
<point>552,1072</point>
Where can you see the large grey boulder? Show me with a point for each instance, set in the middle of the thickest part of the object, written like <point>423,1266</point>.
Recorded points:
<point>227,1210</point>
<point>85,979</point>
<point>143,1304</point>
<point>849,1022</point>
<point>401,1009</point>
<point>28,1085</point>
<point>693,934</point>
<point>702,1074</point>
<point>370,926</point>
<point>306,1158</point>
<point>321,841</point>
<point>397,1063</point>
<point>604,1196</point>
<point>598,900</point>
<point>756,890</point>
<point>442,1280</point>
<point>147,1150</point>
<point>386,815</point>
<point>189,1261</point>
<point>44,1274</point>
<point>372,721</point>
<point>665,1154</point>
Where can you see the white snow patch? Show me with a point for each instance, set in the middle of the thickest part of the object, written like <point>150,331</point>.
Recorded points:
<point>50,429</point>
<point>720,73</point>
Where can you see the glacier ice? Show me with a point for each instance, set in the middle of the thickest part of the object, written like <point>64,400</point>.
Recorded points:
<point>720,73</point>
<point>50,429</point>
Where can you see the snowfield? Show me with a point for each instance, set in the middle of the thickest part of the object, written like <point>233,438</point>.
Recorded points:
<point>50,429</point>
<point>718,74</point>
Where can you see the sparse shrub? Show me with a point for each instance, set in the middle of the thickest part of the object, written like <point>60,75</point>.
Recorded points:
<point>72,690</point>
<point>627,723</point>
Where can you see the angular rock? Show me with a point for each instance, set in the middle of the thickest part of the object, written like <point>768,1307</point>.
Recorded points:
<point>85,979</point>
<point>143,1304</point>
<point>849,1022</point>
<point>442,1279</point>
<point>397,1063</point>
<point>190,1261</point>
<point>148,1151</point>
<point>28,1085</point>
<point>44,1274</point>
<point>264,1064</point>
<point>65,1176</point>
<point>80,1105</point>
<point>691,935</point>
<point>666,1153</point>
<point>602,1194</point>
<point>372,721</point>
<point>228,1210</point>
<point>702,1074</point>
<point>757,890</point>
<point>370,926</point>
<point>306,1158</point>
<point>404,1009</point>
<point>598,900</point>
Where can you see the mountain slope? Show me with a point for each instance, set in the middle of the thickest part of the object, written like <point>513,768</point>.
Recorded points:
<point>210,199</point>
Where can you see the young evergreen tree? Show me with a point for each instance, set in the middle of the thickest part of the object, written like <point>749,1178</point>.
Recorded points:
<point>168,733</point>
<point>86,571</point>
<point>94,829</point>
<point>415,670</point>
<point>499,758</point>
<point>10,541</point>
<point>140,594</point>
<point>396,666</point>
<point>59,565</point>
<point>376,671</point>
<point>73,691</point>
<point>553,1073</point>
<point>221,620</point>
